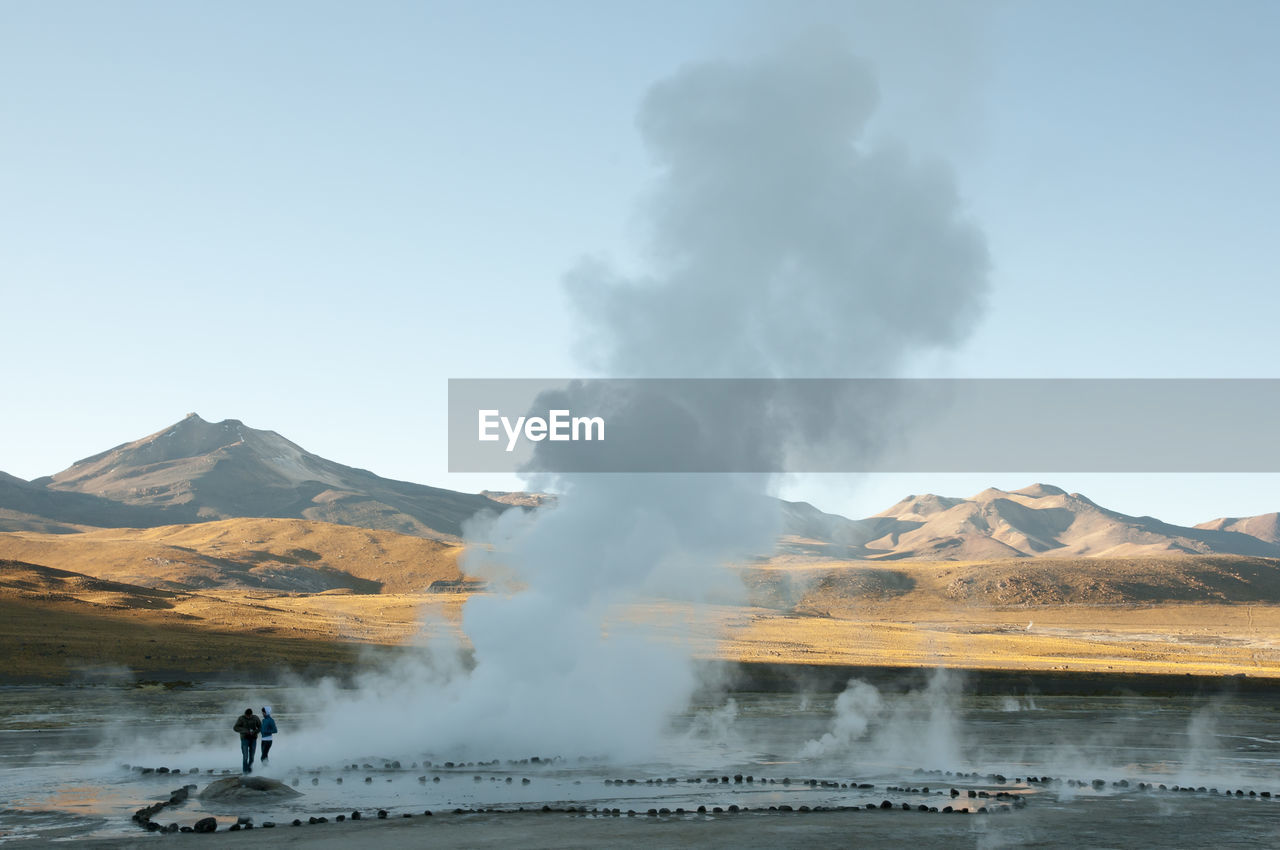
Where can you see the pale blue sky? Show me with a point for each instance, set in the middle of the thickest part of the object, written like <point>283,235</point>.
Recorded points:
<point>309,216</point>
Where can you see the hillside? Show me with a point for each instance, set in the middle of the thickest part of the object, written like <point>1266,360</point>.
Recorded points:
<point>1264,527</point>
<point>852,589</point>
<point>25,506</point>
<point>271,554</point>
<point>58,625</point>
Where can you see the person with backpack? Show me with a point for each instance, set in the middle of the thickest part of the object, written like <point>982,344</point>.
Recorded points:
<point>269,728</point>
<point>248,725</point>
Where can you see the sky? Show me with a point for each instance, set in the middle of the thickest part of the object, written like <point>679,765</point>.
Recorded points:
<point>309,216</point>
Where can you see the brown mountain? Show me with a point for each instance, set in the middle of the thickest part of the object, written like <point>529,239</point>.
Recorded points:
<point>1036,521</point>
<point>30,506</point>
<point>195,471</point>
<point>1264,526</point>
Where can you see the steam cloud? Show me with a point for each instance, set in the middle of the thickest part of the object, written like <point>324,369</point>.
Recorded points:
<point>780,245</point>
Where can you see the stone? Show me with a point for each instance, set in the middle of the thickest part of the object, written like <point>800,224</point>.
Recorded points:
<point>205,825</point>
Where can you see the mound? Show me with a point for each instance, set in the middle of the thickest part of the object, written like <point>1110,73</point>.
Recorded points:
<point>238,789</point>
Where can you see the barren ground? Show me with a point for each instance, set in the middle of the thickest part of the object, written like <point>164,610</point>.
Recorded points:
<point>56,627</point>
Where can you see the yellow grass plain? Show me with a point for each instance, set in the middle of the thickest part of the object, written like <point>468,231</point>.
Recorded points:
<point>70,606</point>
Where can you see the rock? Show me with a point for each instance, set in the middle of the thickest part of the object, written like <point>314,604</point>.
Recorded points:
<point>247,788</point>
<point>205,825</point>
<point>143,815</point>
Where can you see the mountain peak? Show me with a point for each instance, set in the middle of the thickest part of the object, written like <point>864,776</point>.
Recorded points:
<point>195,470</point>
<point>1038,491</point>
<point>925,504</point>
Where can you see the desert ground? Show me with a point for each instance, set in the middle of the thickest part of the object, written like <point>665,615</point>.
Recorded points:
<point>252,596</point>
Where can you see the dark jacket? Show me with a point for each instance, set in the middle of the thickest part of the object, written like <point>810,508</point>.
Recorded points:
<point>248,725</point>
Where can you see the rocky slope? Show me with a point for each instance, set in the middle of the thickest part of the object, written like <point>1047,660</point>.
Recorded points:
<point>195,471</point>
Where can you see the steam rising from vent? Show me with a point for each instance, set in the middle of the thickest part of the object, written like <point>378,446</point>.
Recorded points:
<point>855,709</point>
<point>919,727</point>
<point>779,245</point>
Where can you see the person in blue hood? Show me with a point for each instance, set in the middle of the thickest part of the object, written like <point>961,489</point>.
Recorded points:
<point>268,729</point>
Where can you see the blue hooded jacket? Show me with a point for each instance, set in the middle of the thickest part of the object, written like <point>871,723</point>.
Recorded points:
<point>268,723</point>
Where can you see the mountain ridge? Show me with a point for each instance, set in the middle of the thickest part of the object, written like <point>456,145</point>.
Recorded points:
<point>1036,521</point>
<point>197,471</point>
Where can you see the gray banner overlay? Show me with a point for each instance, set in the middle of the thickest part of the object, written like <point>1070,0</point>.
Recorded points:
<point>864,425</point>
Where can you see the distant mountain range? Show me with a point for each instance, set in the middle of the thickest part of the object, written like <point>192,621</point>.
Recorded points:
<point>198,471</point>
<point>1036,521</point>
